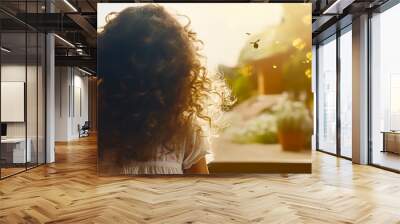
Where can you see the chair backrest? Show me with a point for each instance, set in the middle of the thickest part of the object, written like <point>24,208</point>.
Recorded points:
<point>86,124</point>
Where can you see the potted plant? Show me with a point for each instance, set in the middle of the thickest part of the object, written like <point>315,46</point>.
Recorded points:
<point>261,129</point>
<point>294,125</point>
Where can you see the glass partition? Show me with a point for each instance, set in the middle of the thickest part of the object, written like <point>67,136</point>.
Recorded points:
<point>22,91</point>
<point>385,89</point>
<point>346,93</point>
<point>327,95</point>
<point>14,153</point>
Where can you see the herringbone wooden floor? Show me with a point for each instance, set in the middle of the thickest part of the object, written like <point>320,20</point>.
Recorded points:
<point>70,191</point>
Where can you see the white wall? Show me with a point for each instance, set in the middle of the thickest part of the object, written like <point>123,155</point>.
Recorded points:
<point>62,81</point>
<point>71,93</point>
<point>33,126</point>
<point>80,104</point>
<point>12,73</point>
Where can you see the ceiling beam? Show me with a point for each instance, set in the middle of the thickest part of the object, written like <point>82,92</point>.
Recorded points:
<point>81,61</point>
<point>84,24</point>
<point>337,7</point>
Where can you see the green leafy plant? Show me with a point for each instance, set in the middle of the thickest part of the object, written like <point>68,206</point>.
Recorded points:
<point>293,116</point>
<point>241,81</point>
<point>261,129</point>
<point>297,74</point>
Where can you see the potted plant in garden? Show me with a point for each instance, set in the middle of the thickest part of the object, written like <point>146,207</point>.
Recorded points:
<point>294,125</point>
<point>261,129</point>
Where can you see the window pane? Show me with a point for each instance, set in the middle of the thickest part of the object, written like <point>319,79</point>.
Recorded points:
<point>385,89</point>
<point>346,94</point>
<point>327,96</point>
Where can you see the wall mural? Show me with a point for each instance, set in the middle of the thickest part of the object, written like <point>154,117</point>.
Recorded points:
<point>204,88</point>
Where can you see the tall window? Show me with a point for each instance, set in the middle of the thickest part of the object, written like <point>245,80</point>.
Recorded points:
<point>346,92</point>
<point>385,89</point>
<point>327,95</point>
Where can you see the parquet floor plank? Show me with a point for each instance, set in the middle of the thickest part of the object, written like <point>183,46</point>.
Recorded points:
<point>70,191</point>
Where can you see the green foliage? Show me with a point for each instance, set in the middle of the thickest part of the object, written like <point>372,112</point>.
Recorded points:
<point>261,129</point>
<point>286,116</point>
<point>293,116</point>
<point>241,82</point>
<point>241,88</point>
<point>297,73</point>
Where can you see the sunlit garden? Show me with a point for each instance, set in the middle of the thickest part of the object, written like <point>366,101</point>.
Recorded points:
<point>272,87</point>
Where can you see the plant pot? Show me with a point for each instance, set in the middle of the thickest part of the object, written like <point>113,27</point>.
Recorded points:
<point>293,140</point>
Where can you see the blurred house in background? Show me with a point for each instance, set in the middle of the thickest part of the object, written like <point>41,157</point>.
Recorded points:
<point>276,45</point>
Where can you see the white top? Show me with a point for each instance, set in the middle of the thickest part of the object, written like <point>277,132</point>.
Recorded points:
<point>170,162</point>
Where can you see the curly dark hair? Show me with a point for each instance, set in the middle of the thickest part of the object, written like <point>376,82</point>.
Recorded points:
<point>154,86</point>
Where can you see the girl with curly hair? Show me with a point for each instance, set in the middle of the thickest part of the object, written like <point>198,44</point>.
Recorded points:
<point>157,99</point>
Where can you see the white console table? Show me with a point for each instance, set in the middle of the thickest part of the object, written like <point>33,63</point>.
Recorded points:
<point>16,148</point>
